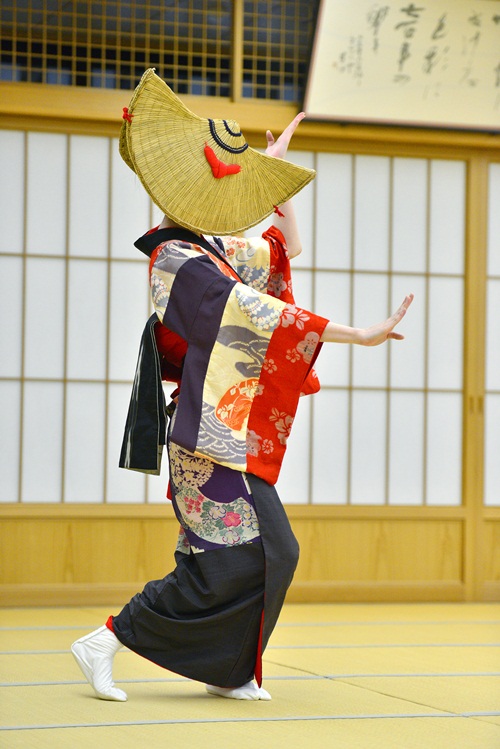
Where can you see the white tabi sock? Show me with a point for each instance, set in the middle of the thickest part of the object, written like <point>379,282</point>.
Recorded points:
<point>94,654</point>
<point>249,691</point>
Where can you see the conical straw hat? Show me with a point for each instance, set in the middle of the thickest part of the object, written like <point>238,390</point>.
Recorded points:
<point>171,151</point>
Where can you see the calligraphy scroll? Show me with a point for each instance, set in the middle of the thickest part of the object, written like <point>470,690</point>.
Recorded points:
<point>431,63</point>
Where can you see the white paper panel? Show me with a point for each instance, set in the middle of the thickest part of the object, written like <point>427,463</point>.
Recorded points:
<point>122,485</point>
<point>10,408</point>
<point>445,362</point>
<point>42,442</point>
<point>130,208</point>
<point>407,357</point>
<point>302,289</point>
<point>332,300</point>
<point>303,207</point>
<point>406,449</point>
<point>45,312</point>
<point>492,443</point>
<point>129,313</point>
<point>371,212</point>
<point>11,316</point>
<point>89,195</point>
<point>493,336</point>
<point>85,425</point>
<point>11,190</point>
<point>369,418</point>
<point>156,486</point>
<point>444,449</point>
<point>330,447</point>
<point>87,319</point>
<point>293,483</point>
<point>494,220</point>
<point>371,305</point>
<point>47,190</point>
<point>447,216</point>
<point>303,204</point>
<point>156,214</point>
<point>409,215</point>
<point>333,210</point>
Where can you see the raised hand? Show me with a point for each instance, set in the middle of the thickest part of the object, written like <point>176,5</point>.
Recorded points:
<point>279,147</point>
<point>377,334</point>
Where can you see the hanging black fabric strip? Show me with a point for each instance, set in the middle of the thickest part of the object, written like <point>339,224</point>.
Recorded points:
<point>146,425</point>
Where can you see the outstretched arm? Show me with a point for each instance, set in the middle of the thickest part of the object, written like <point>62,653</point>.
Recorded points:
<point>372,336</point>
<point>286,223</point>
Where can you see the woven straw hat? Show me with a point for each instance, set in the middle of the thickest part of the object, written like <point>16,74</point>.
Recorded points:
<point>177,154</point>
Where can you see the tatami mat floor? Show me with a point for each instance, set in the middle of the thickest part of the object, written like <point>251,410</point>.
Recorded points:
<point>343,676</point>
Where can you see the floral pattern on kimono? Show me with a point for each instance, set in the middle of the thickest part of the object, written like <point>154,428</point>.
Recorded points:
<point>213,504</point>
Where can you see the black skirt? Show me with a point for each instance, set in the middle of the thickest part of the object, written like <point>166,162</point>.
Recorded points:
<point>210,619</point>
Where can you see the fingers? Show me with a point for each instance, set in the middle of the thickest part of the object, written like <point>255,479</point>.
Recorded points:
<point>289,131</point>
<point>377,334</point>
<point>398,316</point>
<point>297,120</point>
<point>407,301</point>
<point>401,311</point>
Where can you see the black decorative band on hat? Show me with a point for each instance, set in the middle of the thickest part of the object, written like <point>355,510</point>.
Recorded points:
<point>221,143</point>
<point>237,135</point>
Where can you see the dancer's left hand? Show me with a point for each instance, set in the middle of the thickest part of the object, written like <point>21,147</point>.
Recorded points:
<point>377,334</point>
<point>279,147</point>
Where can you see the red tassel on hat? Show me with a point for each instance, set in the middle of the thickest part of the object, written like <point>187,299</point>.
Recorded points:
<point>127,115</point>
<point>277,210</point>
<point>219,169</point>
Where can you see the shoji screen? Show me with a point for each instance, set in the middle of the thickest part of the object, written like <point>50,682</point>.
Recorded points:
<point>74,299</point>
<point>492,410</point>
<point>386,427</point>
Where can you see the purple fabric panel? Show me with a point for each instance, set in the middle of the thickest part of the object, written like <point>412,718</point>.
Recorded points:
<point>197,301</point>
<point>192,281</point>
<point>225,485</point>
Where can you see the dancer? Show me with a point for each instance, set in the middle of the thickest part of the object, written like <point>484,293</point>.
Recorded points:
<point>226,330</point>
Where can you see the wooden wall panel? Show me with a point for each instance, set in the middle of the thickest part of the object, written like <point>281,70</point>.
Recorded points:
<point>72,550</point>
<point>491,557</point>
<point>62,555</point>
<point>379,550</point>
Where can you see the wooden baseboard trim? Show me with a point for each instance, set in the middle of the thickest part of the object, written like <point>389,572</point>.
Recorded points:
<point>117,594</point>
<point>66,594</point>
<point>491,591</point>
<point>318,592</point>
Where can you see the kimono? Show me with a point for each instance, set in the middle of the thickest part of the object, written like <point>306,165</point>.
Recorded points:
<point>227,331</point>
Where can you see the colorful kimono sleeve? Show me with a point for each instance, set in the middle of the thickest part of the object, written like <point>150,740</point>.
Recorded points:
<point>251,259</point>
<point>247,359</point>
<point>261,262</point>
<point>265,262</point>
